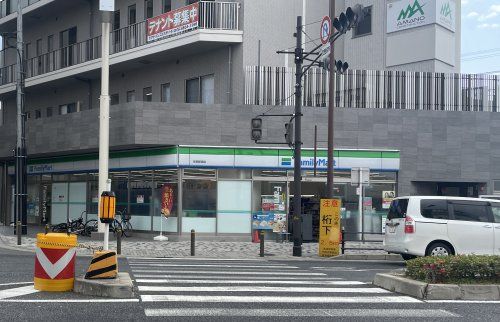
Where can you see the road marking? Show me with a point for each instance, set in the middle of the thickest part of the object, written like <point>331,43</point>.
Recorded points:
<point>18,283</point>
<point>200,259</point>
<point>73,301</point>
<point>275,299</point>
<point>463,301</point>
<point>191,281</point>
<point>257,278</point>
<point>214,265</point>
<point>229,273</point>
<point>370,290</point>
<point>301,312</point>
<point>19,291</point>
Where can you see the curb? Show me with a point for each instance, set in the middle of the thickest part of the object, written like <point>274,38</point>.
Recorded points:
<point>426,291</point>
<point>121,287</point>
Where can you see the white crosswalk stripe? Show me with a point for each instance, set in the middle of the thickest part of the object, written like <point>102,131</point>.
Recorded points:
<point>184,287</point>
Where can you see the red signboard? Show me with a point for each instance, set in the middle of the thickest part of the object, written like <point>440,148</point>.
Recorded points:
<point>174,22</point>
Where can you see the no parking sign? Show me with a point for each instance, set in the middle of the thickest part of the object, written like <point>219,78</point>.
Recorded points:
<point>326,30</point>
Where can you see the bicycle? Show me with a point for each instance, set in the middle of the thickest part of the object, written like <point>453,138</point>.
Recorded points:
<point>92,225</point>
<point>75,226</point>
<point>125,222</point>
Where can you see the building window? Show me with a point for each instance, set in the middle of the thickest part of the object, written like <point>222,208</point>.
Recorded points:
<point>38,114</point>
<point>116,20</point>
<point>39,47</point>
<point>131,15</point>
<point>365,26</point>
<point>193,90</point>
<point>167,5</point>
<point>165,93</point>
<point>188,2</point>
<point>148,9</point>
<point>115,99</point>
<point>1,113</point>
<point>27,50</point>
<point>147,94</point>
<point>50,43</point>
<point>67,109</point>
<point>207,89</point>
<point>130,96</point>
<point>50,111</point>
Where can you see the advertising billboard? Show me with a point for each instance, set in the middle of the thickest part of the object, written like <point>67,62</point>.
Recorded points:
<point>408,14</point>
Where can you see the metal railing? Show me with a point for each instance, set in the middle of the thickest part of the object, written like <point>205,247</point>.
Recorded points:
<point>213,15</point>
<point>8,7</point>
<point>376,89</point>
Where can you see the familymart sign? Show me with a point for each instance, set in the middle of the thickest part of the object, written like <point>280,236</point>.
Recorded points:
<point>408,14</point>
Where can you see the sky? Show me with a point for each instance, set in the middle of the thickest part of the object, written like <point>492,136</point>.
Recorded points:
<point>480,36</point>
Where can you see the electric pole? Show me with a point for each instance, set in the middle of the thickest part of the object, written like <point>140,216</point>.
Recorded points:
<point>331,101</point>
<point>20,152</point>
<point>297,172</point>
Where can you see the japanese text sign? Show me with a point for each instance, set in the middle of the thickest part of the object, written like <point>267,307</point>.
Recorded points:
<point>174,22</point>
<point>329,227</point>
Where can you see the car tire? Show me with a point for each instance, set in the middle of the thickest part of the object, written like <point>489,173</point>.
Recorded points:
<point>408,257</point>
<point>439,249</point>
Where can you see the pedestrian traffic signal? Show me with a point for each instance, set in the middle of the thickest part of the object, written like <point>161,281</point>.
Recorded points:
<point>289,133</point>
<point>256,129</point>
<point>341,67</point>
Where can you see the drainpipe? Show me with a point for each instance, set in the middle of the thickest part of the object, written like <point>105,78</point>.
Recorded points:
<point>229,76</point>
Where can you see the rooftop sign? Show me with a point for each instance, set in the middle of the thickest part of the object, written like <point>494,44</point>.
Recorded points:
<point>408,14</point>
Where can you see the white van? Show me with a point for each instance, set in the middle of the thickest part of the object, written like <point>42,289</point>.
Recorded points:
<point>441,226</point>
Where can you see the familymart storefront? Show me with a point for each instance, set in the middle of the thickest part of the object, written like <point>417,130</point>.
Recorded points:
<point>214,190</point>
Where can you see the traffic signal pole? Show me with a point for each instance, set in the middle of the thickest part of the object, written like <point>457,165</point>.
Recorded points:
<point>331,99</point>
<point>297,173</point>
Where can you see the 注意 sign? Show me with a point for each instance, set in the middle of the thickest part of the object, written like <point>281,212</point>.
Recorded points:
<point>174,22</point>
<point>329,227</point>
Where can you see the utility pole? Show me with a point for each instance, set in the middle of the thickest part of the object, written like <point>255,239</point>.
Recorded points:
<point>106,7</point>
<point>20,152</point>
<point>297,175</point>
<point>331,101</point>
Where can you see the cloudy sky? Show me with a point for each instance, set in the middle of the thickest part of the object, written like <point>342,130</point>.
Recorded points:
<point>480,36</point>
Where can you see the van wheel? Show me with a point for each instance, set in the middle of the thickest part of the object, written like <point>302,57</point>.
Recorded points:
<point>408,257</point>
<point>439,249</point>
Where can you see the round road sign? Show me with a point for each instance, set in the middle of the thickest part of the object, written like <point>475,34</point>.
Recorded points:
<point>326,30</point>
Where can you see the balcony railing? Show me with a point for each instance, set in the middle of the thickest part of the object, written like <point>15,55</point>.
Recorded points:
<point>213,15</point>
<point>10,6</point>
<point>376,89</point>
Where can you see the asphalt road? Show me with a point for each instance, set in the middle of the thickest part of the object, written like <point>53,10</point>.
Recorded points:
<point>225,290</point>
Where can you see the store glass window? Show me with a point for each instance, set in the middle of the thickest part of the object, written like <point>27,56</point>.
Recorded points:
<point>165,200</point>
<point>234,206</point>
<point>141,199</point>
<point>199,200</point>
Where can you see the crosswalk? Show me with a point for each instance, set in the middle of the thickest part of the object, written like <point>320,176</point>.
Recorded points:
<point>255,288</point>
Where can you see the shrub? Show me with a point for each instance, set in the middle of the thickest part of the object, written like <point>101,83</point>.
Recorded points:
<point>455,269</point>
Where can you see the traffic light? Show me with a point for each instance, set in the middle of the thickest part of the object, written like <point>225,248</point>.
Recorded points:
<point>289,133</point>
<point>350,19</point>
<point>256,129</point>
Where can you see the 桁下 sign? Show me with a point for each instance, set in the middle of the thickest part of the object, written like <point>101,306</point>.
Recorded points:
<point>174,22</point>
<point>329,227</point>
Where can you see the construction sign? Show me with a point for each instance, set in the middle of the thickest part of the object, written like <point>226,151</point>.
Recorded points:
<point>329,227</point>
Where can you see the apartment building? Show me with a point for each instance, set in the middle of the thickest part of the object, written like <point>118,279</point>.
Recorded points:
<point>182,104</point>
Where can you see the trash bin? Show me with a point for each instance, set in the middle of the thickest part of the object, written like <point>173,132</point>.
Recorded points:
<point>55,262</point>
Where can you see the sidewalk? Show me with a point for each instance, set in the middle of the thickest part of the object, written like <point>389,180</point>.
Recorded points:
<point>143,247</point>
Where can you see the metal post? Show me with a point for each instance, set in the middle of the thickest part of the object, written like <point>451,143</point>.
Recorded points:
<point>119,241</point>
<point>18,229</point>
<point>297,176</point>
<point>262,235</point>
<point>315,149</point>
<point>193,241</point>
<point>360,203</point>
<point>331,100</point>
<point>20,152</point>
<point>104,119</point>
<point>343,241</point>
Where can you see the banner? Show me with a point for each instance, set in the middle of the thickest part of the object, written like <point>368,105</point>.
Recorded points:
<point>329,227</point>
<point>167,200</point>
<point>173,23</point>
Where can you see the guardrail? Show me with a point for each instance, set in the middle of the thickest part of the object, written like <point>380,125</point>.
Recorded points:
<point>383,89</point>
<point>343,247</point>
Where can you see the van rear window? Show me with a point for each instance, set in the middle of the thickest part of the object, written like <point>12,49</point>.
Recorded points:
<point>434,209</point>
<point>398,209</point>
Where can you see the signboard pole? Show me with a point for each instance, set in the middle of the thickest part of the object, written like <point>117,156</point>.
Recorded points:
<point>331,116</point>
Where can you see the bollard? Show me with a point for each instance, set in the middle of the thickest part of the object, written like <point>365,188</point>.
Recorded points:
<point>119,241</point>
<point>192,242</point>
<point>343,241</point>
<point>261,243</point>
<point>19,232</point>
<point>47,228</point>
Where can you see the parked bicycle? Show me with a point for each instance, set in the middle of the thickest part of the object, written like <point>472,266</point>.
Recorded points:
<point>125,222</point>
<point>92,227</point>
<point>74,226</point>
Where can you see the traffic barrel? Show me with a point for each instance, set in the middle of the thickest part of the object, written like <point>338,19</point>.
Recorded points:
<point>55,262</point>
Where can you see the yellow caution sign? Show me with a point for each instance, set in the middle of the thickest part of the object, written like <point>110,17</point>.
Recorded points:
<point>329,227</point>
<point>103,265</point>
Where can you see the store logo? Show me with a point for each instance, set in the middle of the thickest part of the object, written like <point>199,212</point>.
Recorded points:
<point>40,168</point>
<point>446,10</point>
<point>411,11</point>
<point>286,162</point>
